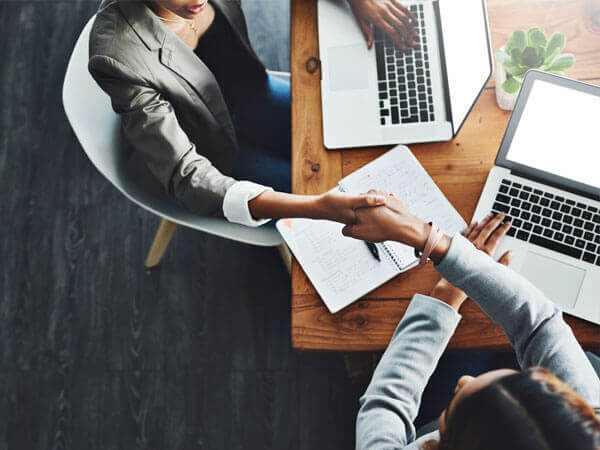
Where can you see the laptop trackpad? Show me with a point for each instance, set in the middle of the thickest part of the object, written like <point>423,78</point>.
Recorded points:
<point>558,280</point>
<point>347,68</point>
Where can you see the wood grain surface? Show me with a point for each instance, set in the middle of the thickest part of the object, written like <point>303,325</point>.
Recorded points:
<point>459,167</point>
<point>96,352</point>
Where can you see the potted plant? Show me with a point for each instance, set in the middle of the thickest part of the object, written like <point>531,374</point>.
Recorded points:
<point>524,51</point>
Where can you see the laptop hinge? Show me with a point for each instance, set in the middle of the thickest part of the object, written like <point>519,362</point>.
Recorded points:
<point>436,9</point>
<point>556,185</point>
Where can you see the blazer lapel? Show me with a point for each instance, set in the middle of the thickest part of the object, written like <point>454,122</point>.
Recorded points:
<point>178,57</point>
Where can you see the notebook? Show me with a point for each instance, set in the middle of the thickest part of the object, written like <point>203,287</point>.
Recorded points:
<point>342,269</point>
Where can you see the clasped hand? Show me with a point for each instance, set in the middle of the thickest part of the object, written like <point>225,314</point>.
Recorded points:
<point>392,221</point>
<point>389,222</point>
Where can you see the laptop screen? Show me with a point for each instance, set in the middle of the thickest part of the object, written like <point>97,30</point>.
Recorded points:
<point>467,54</point>
<point>559,133</point>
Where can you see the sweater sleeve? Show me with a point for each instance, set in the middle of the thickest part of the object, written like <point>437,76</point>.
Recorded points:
<point>532,323</point>
<point>391,402</point>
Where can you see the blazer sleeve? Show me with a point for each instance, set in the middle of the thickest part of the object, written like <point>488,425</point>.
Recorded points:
<point>150,125</point>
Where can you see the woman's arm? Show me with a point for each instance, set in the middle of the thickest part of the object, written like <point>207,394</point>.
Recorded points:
<point>332,205</point>
<point>532,323</point>
<point>152,128</point>
<point>395,392</point>
<point>391,402</point>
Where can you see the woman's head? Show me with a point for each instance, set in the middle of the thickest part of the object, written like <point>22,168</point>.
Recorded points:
<point>506,409</point>
<point>186,9</point>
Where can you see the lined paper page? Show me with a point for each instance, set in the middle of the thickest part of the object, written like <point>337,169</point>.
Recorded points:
<point>341,269</point>
<point>399,172</point>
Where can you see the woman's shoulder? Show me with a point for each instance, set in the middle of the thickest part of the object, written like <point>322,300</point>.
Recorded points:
<point>112,37</point>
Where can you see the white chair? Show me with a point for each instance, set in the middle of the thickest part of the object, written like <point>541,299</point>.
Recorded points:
<point>97,128</point>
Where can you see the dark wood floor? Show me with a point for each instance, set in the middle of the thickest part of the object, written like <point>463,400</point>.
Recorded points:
<point>96,352</point>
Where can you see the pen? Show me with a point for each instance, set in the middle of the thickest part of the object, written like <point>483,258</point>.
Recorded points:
<point>373,249</point>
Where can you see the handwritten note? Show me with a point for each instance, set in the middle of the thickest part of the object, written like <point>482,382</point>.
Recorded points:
<point>341,269</point>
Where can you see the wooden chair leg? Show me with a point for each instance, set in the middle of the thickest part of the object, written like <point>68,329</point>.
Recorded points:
<point>286,256</point>
<point>160,243</point>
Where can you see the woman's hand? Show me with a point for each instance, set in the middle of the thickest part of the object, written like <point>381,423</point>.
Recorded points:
<point>341,207</point>
<point>391,222</point>
<point>391,16</point>
<point>486,236</point>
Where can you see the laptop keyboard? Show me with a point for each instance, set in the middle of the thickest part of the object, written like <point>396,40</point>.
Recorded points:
<point>404,79</point>
<point>550,221</point>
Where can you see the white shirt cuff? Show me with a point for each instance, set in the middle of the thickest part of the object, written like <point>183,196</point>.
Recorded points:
<point>235,203</point>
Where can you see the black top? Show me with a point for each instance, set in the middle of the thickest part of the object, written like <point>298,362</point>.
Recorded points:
<point>232,66</point>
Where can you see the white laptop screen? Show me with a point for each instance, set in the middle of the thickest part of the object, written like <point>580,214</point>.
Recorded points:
<point>467,53</point>
<point>559,133</point>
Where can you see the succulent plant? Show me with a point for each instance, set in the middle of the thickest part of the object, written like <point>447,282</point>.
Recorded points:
<point>532,50</point>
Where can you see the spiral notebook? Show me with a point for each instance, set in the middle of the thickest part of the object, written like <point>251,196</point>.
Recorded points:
<point>342,269</point>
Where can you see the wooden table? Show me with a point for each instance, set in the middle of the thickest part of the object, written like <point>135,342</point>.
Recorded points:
<point>459,167</point>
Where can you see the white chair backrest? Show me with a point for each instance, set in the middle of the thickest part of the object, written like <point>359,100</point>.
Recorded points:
<point>97,128</point>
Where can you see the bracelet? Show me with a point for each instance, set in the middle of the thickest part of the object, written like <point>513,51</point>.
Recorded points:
<point>435,235</point>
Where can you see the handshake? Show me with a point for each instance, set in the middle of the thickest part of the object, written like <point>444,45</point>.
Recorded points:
<point>377,216</point>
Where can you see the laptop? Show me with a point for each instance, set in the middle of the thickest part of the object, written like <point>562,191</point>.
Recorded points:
<point>546,179</point>
<point>385,96</point>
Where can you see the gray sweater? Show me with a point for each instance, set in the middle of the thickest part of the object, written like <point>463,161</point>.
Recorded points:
<point>532,324</point>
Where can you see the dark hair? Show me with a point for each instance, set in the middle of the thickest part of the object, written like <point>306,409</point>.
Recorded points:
<point>530,410</point>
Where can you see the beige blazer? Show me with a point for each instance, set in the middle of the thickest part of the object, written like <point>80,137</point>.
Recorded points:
<point>173,113</point>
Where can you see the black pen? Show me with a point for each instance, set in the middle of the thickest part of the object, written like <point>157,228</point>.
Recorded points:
<point>373,249</point>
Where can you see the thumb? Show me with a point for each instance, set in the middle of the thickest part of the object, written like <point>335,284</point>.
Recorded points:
<point>366,200</point>
<point>347,231</point>
<point>505,259</point>
<point>367,32</point>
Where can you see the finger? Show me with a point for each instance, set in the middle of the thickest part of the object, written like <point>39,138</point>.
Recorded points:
<point>506,258</point>
<point>403,24</point>
<point>366,200</point>
<point>475,232</point>
<point>391,32</point>
<point>377,192</point>
<point>404,9</point>
<point>488,229</point>
<point>348,231</point>
<point>470,236</point>
<point>366,31</point>
<point>496,237</point>
<point>469,229</point>
<point>399,25</point>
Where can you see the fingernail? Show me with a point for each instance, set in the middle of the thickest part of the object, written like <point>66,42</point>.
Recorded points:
<point>380,199</point>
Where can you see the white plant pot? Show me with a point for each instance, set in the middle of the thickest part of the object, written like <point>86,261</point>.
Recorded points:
<point>504,99</point>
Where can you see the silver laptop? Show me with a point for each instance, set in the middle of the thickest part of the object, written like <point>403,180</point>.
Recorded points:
<point>384,96</point>
<point>547,180</point>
